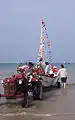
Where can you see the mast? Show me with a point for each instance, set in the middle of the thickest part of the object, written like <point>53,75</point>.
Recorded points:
<point>41,50</point>
<point>41,37</point>
<point>43,42</point>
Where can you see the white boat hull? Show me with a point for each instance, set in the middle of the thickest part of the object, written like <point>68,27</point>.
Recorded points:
<point>47,81</point>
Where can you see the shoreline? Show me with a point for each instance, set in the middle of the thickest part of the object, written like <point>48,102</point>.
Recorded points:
<point>57,104</point>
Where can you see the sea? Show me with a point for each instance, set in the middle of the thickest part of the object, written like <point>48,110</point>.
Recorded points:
<point>56,104</point>
<point>7,69</point>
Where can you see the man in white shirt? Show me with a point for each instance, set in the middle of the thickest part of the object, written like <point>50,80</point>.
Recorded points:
<point>62,73</point>
<point>47,68</point>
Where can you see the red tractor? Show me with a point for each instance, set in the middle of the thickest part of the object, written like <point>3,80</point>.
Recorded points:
<point>13,86</point>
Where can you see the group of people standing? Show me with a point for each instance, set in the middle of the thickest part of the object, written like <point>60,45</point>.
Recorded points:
<point>29,69</point>
<point>61,73</point>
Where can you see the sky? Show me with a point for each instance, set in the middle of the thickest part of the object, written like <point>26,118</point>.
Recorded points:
<point>20,29</point>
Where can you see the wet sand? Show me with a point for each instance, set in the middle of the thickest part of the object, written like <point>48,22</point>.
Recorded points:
<point>57,105</point>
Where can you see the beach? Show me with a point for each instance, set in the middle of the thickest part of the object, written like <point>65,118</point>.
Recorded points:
<point>40,35</point>
<point>57,104</point>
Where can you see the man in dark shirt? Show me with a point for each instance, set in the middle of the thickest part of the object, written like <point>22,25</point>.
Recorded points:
<point>25,71</point>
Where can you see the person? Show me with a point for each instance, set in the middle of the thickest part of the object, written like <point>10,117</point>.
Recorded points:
<point>54,69</point>
<point>40,70</point>
<point>47,68</point>
<point>25,71</point>
<point>62,73</point>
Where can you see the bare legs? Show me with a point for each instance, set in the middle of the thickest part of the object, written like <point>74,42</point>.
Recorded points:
<point>64,85</point>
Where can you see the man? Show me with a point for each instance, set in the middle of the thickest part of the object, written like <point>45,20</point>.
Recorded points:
<point>25,70</point>
<point>62,73</point>
<point>47,68</point>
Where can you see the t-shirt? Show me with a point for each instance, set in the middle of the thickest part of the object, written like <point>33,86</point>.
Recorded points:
<point>24,68</point>
<point>62,72</point>
<point>47,69</point>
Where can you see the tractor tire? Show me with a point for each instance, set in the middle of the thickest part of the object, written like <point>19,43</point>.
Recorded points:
<point>40,91</point>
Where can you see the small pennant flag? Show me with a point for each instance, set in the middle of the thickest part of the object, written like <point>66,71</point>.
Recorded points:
<point>42,22</point>
<point>45,28</point>
<point>46,36</point>
<point>44,25</point>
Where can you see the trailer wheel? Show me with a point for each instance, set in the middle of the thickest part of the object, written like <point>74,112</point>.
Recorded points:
<point>38,91</point>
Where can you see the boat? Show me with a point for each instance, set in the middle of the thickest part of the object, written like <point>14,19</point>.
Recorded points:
<point>45,55</point>
<point>37,81</point>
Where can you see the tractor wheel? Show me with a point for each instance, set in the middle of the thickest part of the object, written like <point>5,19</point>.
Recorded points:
<point>40,91</point>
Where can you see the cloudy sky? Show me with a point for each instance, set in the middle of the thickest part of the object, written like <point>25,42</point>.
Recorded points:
<point>20,29</point>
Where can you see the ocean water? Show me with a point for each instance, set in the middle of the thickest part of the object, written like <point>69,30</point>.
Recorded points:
<point>7,69</point>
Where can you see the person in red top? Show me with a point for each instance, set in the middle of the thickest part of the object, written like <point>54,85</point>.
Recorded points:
<point>54,69</point>
<point>40,70</point>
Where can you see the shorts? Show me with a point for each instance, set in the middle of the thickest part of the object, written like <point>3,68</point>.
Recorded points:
<point>64,79</point>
